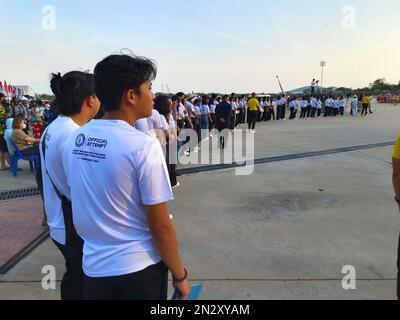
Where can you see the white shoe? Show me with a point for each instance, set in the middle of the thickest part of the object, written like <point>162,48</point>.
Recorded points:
<point>176,186</point>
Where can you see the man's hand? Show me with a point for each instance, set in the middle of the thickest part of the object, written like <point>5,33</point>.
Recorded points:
<point>184,288</point>
<point>222,120</point>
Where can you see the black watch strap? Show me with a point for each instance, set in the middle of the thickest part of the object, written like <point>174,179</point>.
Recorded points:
<point>180,280</point>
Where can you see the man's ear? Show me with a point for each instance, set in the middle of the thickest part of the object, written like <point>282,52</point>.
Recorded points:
<point>91,101</point>
<point>130,97</point>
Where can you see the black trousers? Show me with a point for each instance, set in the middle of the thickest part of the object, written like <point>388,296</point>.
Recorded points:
<point>283,114</point>
<point>252,119</point>
<point>319,112</point>
<point>303,113</point>
<point>233,119</point>
<point>242,116</point>
<point>365,109</point>
<point>265,115</point>
<point>278,112</point>
<point>309,112</point>
<point>341,110</point>
<point>32,151</point>
<point>171,167</point>
<point>313,112</point>
<point>73,279</point>
<point>272,112</point>
<point>293,113</point>
<point>222,135</point>
<point>148,284</point>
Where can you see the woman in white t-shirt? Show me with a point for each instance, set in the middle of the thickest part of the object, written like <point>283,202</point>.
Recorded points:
<point>77,103</point>
<point>163,105</point>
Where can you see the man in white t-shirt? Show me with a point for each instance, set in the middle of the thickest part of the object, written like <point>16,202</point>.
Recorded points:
<point>74,87</point>
<point>119,184</point>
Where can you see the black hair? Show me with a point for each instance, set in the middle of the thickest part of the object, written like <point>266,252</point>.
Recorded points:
<point>162,105</point>
<point>180,94</point>
<point>118,73</point>
<point>174,98</point>
<point>71,90</point>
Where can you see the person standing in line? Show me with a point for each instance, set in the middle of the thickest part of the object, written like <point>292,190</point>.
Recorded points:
<point>77,103</point>
<point>273,109</point>
<point>303,107</point>
<point>205,118</point>
<point>354,106</point>
<point>331,105</point>
<point>319,107</point>
<point>314,107</point>
<point>308,115</point>
<point>342,105</point>
<point>278,108</point>
<point>233,113</point>
<point>283,108</point>
<point>254,106</point>
<point>366,101</point>
<point>327,105</point>
<point>260,110</point>
<point>293,108</point>
<point>223,113</point>
<point>163,105</point>
<point>129,240</point>
<point>241,110</point>
<point>267,113</point>
<point>336,106</point>
<point>213,105</point>
<point>396,187</point>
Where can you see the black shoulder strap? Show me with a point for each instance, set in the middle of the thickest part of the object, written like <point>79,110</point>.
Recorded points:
<point>59,194</point>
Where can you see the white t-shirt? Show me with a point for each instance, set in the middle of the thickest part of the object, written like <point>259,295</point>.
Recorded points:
<point>142,125</point>
<point>171,123</point>
<point>212,108</point>
<point>114,170</point>
<point>181,111</point>
<point>164,123</point>
<point>190,109</point>
<point>56,137</point>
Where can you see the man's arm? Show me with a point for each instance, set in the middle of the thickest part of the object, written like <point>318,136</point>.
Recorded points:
<point>165,241</point>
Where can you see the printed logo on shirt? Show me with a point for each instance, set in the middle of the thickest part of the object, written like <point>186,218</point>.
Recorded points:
<point>80,140</point>
<point>91,142</point>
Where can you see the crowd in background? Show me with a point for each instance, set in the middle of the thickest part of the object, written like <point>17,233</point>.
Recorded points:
<point>23,119</point>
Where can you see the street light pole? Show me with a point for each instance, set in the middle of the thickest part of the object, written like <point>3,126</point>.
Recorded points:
<point>322,64</point>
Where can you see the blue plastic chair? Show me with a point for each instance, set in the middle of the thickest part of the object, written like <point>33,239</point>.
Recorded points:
<point>16,155</point>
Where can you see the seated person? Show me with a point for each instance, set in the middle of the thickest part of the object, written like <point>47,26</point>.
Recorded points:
<point>24,142</point>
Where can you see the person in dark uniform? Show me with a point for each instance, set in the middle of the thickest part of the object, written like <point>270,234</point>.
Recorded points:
<point>223,114</point>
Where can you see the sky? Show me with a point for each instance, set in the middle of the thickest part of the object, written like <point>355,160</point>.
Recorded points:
<point>206,45</point>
